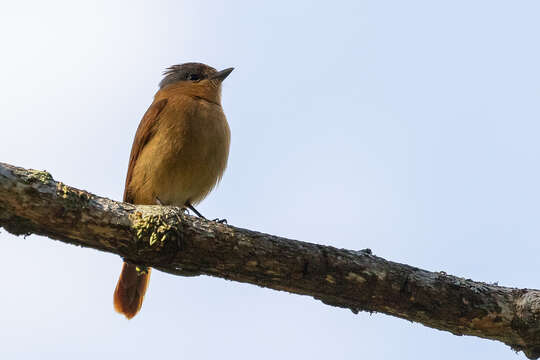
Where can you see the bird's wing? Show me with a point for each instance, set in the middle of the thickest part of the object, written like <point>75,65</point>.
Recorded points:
<point>145,131</point>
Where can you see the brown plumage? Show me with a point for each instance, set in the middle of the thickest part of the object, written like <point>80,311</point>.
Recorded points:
<point>178,156</point>
<point>130,289</point>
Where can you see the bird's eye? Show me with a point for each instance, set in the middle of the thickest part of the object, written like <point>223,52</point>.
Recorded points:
<point>194,77</point>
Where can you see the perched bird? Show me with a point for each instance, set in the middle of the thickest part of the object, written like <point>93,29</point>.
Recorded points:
<point>178,156</point>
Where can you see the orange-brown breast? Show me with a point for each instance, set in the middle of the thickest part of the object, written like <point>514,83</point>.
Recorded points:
<point>186,152</point>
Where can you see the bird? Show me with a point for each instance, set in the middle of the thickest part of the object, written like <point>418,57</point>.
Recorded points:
<point>178,156</point>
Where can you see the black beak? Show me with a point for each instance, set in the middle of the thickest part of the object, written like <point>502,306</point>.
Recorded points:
<point>221,75</point>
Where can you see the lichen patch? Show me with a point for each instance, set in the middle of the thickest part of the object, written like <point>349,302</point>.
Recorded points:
<point>153,228</point>
<point>355,277</point>
<point>38,176</point>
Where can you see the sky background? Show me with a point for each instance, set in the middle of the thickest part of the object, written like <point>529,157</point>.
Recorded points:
<point>409,127</point>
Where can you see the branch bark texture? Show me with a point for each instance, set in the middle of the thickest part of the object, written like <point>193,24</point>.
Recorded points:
<point>31,202</point>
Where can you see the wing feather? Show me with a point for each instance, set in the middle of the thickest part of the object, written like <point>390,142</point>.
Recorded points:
<point>146,130</point>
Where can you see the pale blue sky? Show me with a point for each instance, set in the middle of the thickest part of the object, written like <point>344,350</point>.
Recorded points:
<point>409,127</point>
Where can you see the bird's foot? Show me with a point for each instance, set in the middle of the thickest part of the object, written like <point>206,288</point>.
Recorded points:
<point>190,207</point>
<point>220,221</point>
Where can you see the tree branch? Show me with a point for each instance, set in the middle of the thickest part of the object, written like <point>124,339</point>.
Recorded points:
<point>31,202</point>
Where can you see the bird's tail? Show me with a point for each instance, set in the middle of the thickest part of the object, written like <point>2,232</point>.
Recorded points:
<point>130,290</point>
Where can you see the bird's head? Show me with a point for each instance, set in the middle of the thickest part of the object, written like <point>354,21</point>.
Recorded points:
<point>195,79</point>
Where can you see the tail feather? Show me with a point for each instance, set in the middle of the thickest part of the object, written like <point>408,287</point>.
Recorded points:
<point>130,290</point>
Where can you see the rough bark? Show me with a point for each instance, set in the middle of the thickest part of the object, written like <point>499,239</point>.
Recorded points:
<point>31,202</point>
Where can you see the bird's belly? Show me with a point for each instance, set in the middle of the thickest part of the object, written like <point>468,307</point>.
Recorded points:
<point>187,178</point>
<point>184,162</point>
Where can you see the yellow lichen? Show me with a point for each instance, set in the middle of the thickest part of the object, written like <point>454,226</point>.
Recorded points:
<point>62,190</point>
<point>37,175</point>
<point>355,277</point>
<point>74,198</point>
<point>151,227</point>
<point>141,270</point>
